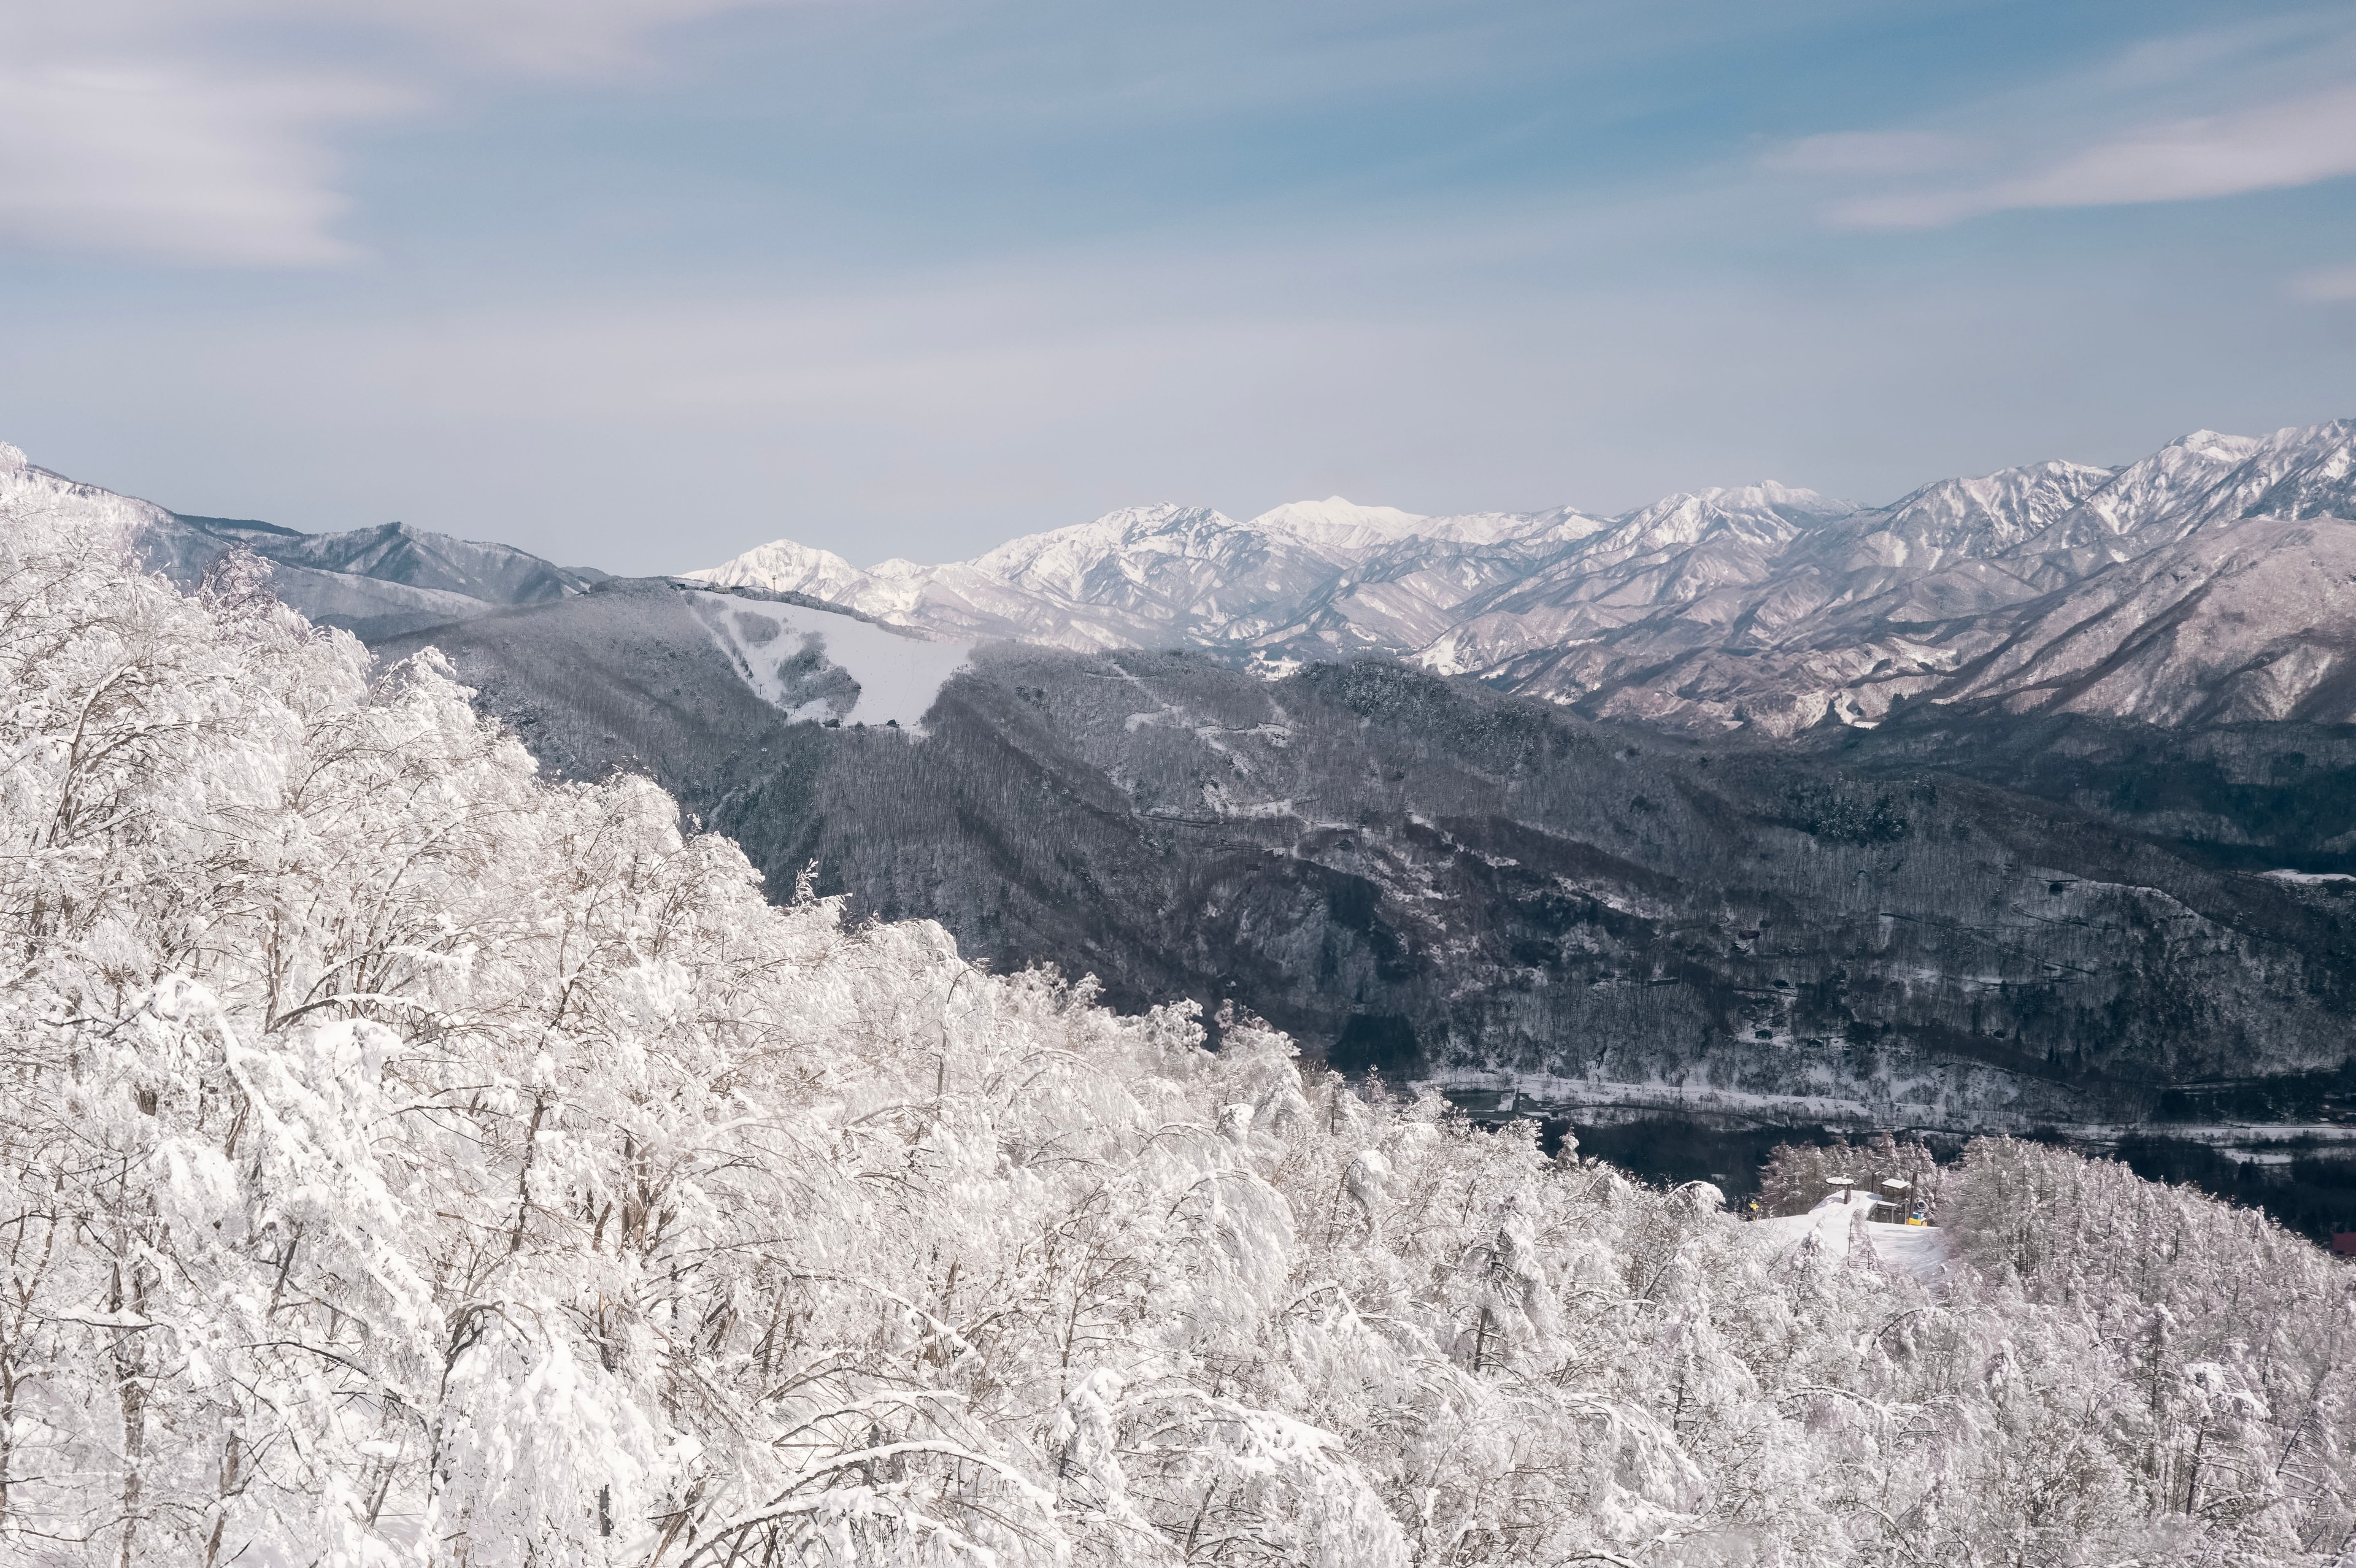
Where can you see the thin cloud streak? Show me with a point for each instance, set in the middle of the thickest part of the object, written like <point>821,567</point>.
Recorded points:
<point>2272,147</point>
<point>132,128</point>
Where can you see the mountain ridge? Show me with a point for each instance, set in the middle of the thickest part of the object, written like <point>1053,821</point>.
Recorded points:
<point>1660,614</point>
<point>374,582</point>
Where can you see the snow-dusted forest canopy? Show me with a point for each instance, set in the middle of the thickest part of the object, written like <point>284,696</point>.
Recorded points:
<point>404,1159</point>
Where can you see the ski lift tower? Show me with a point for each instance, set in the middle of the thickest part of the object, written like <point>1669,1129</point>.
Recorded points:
<point>1844,1183</point>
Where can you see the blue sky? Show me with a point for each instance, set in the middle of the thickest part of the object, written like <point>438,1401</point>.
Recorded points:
<point>642,282</point>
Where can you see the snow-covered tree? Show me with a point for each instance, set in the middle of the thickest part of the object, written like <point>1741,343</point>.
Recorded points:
<point>406,1159</point>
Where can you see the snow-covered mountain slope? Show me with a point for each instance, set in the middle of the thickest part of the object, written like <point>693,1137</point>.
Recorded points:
<point>817,664</point>
<point>395,552</point>
<point>785,566</point>
<point>2207,478</point>
<point>30,496</point>
<point>377,582</point>
<point>1760,607</point>
<point>410,1159</point>
<point>2249,621</point>
<point>804,659</point>
<point>1312,579</point>
<point>1911,601</point>
<point>1847,1221</point>
<point>1432,878</point>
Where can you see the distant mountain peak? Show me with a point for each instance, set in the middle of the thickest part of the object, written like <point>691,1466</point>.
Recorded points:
<point>789,568</point>
<point>1997,509</point>
<point>1765,513</point>
<point>1767,495</point>
<point>1337,521</point>
<point>1764,605</point>
<point>2216,443</point>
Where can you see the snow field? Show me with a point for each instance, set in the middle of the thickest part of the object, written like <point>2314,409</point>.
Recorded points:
<point>1922,1253</point>
<point>896,674</point>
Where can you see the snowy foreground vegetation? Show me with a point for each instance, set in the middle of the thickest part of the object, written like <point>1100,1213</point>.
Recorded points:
<point>404,1159</point>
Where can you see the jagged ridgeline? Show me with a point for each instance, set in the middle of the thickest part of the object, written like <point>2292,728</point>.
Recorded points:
<point>413,1157</point>
<point>2202,584</point>
<point>410,1156</point>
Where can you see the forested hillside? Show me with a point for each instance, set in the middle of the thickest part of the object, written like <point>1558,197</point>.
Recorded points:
<point>407,1159</point>
<point>1971,917</point>
<point>1633,932</point>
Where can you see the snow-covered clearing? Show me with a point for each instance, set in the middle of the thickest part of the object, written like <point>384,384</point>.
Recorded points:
<point>1921,1253</point>
<point>786,652</point>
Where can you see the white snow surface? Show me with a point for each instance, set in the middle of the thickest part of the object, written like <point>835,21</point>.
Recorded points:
<point>785,566</point>
<point>28,491</point>
<point>1921,1253</point>
<point>898,674</point>
<point>1336,522</point>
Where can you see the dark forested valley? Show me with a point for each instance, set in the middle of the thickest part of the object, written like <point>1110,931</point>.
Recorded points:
<point>1683,949</point>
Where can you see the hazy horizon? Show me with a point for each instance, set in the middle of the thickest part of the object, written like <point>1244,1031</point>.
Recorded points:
<point>649,282</point>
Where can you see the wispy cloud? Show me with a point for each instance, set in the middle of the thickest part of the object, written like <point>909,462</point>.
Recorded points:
<point>155,130</point>
<point>153,160</point>
<point>2265,102</point>
<point>2269,147</point>
<point>1873,153</point>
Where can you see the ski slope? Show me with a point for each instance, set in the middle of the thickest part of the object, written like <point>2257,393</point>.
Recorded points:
<point>821,665</point>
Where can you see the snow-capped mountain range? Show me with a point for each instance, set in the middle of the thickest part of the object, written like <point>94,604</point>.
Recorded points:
<point>2212,582</point>
<point>2213,579</point>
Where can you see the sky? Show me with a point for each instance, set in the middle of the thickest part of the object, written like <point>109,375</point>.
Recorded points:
<point>641,284</point>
